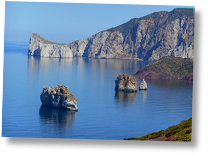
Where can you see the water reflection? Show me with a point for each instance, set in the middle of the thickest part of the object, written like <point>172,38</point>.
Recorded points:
<point>143,95</point>
<point>39,68</point>
<point>117,64</point>
<point>58,118</point>
<point>37,63</point>
<point>168,83</point>
<point>33,64</point>
<point>124,98</point>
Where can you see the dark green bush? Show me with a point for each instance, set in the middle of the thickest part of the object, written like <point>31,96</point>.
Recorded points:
<point>184,138</point>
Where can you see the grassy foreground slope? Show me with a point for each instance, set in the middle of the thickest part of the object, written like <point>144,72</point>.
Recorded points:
<point>179,132</point>
<point>168,67</point>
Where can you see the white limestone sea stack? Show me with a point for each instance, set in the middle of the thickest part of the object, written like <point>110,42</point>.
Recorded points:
<point>58,97</point>
<point>41,47</point>
<point>143,85</point>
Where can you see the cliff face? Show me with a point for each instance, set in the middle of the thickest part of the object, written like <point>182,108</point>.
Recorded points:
<point>39,46</point>
<point>148,38</point>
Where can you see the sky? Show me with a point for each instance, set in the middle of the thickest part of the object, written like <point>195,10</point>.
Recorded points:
<point>67,22</point>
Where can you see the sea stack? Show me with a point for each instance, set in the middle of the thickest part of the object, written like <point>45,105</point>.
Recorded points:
<point>126,83</point>
<point>41,47</point>
<point>58,97</point>
<point>143,85</point>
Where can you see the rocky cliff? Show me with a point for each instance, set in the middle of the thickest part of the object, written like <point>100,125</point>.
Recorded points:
<point>39,46</point>
<point>148,38</point>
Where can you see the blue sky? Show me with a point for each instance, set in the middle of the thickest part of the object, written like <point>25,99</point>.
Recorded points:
<point>67,22</point>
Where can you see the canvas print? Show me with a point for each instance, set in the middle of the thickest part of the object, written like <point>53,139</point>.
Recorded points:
<point>98,71</point>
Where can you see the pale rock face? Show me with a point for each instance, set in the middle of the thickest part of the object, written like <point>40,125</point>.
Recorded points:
<point>43,48</point>
<point>148,38</point>
<point>95,43</point>
<point>143,85</point>
<point>112,48</point>
<point>178,40</point>
<point>78,47</point>
<point>126,83</point>
<point>58,97</point>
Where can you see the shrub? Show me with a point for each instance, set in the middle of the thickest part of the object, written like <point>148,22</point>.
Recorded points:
<point>182,130</point>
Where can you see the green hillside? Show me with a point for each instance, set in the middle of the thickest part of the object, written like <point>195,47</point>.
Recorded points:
<point>179,132</point>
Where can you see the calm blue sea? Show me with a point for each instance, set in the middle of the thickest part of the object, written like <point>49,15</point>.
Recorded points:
<point>103,113</point>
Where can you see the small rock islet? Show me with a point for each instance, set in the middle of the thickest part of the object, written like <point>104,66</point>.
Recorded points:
<point>126,83</point>
<point>143,85</point>
<point>58,97</point>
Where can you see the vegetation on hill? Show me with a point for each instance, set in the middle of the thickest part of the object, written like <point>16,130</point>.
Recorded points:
<point>169,67</point>
<point>179,132</point>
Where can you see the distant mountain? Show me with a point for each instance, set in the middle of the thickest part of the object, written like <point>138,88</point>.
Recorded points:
<point>168,67</point>
<point>147,38</point>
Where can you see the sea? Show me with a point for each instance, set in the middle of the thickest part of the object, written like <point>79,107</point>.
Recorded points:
<point>103,113</point>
